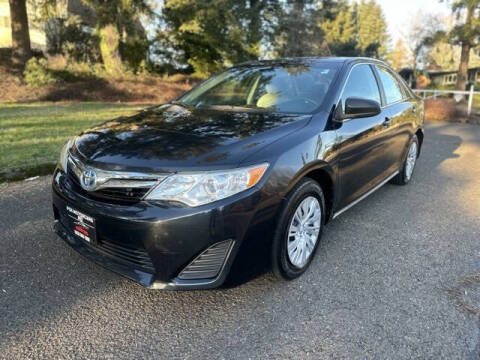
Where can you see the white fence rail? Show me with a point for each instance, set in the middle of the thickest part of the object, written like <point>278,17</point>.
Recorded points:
<point>457,94</point>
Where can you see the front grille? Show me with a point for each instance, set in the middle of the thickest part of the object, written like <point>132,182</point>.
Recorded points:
<point>128,195</point>
<point>131,254</point>
<point>118,195</point>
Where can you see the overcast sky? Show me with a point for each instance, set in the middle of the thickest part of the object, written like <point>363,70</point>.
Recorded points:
<point>399,12</point>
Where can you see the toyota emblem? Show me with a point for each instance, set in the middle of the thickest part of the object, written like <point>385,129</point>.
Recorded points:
<point>88,179</point>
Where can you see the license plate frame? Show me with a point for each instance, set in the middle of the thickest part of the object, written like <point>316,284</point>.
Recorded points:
<point>83,226</point>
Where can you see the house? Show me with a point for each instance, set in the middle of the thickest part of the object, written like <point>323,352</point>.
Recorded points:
<point>441,78</point>
<point>449,77</point>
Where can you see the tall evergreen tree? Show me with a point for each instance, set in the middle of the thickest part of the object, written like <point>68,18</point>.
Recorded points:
<point>21,48</point>
<point>211,34</point>
<point>372,37</point>
<point>357,29</point>
<point>297,31</point>
<point>340,32</point>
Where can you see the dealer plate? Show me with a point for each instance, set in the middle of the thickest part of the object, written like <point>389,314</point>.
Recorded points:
<point>82,225</point>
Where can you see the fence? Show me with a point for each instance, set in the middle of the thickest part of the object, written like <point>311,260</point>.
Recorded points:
<point>457,94</point>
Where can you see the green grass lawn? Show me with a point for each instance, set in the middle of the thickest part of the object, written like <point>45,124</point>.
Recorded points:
<point>31,135</point>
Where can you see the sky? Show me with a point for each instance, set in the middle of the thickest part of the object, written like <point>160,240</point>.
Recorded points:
<point>399,12</point>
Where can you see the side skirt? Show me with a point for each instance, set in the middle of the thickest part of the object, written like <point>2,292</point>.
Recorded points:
<point>369,192</point>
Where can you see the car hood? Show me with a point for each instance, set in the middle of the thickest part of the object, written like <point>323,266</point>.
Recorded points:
<point>172,138</point>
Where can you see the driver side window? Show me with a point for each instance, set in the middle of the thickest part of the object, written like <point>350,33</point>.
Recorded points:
<point>361,83</point>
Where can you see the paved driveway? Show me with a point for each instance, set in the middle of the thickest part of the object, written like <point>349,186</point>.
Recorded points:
<point>394,278</point>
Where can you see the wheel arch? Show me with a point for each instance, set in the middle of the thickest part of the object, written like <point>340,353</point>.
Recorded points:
<point>323,174</point>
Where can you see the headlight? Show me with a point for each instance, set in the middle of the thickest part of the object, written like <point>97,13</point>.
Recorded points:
<point>63,159</point>
<point>205,187</point>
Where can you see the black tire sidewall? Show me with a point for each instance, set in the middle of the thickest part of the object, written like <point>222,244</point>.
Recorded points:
<point>280,261</point>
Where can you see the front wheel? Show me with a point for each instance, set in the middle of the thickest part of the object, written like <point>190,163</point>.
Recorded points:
<point>298,230</point>
<point>405,174</point>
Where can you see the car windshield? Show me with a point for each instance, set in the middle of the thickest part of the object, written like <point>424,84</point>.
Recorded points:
<point>295,88</point>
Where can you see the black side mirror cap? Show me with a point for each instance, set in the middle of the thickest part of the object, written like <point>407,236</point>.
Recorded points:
<point>357,108</point>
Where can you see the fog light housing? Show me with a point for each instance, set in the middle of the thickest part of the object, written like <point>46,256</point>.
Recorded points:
<point>209,263</point>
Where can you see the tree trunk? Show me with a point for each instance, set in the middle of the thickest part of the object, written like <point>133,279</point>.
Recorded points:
<point>109,49</point>
<point>462,76</point>
<point>21,50</point>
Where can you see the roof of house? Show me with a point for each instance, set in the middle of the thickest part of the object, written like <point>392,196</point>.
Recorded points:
<point>447,72</point>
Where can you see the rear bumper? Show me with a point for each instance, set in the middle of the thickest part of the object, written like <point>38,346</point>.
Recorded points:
<point>151,244</point>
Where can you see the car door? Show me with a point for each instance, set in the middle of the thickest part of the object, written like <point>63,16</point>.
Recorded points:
<point>361,142</point>
<point>401,111</point>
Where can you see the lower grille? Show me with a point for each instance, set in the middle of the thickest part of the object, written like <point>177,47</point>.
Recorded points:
<point>209,263</point>
<point>130,254</point>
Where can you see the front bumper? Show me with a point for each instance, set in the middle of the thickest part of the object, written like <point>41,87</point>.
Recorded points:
<point>151,243</point>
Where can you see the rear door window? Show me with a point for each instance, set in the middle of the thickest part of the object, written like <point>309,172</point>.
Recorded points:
<point>391,86</point>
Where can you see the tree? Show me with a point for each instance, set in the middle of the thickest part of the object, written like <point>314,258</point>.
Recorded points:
<point>21,50</point>
<point>372,35</point>
<point>118,24</point>
<point>297,32</point>
<point>359,29</point>
<point>446,56</point>
<point>443,55</point>
<point>207,35</point>
<point>340,32</point>
<point>399,57</point>
<point>422,33</point>
<point>466,34</point>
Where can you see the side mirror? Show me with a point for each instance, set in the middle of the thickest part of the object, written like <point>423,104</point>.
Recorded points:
<point>357,108</point>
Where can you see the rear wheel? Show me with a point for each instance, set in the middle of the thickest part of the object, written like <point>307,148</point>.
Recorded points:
<point>405,174</point>
<point>298,230</point>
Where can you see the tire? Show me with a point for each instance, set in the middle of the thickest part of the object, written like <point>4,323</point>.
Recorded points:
<point>306,195</point>
<point>406,172</point>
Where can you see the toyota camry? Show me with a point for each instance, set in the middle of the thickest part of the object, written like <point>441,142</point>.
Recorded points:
<point>167,197</point>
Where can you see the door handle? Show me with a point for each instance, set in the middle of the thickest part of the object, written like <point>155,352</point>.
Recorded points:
<point>387,122</point>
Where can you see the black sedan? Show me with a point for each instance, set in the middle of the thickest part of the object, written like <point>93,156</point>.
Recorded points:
<point>168,197</point>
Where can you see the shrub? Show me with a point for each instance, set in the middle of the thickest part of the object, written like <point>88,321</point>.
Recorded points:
<point>37,73</point>
<point>422,81</point>
<point>182,78</point>
<point>443,110</point>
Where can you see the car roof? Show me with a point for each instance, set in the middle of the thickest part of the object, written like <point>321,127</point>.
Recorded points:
<point>310,60</point>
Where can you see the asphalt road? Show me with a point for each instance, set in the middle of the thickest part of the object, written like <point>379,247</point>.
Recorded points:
<point>394,278</point>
